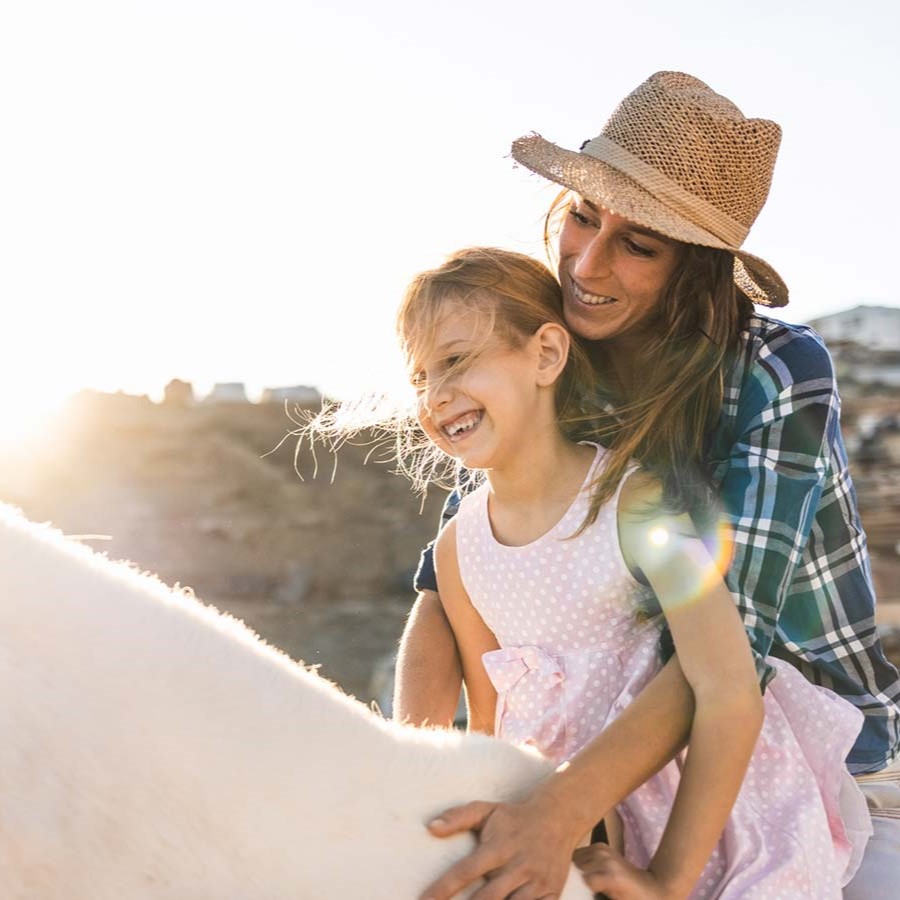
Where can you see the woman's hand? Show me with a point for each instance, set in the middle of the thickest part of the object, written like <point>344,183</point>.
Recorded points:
<point>608,873</point>
<point>524,851</point>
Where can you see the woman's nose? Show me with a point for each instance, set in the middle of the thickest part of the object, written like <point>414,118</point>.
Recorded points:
<point>594,258</point>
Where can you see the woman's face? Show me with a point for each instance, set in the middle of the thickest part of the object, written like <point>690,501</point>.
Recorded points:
<point>612,273</point>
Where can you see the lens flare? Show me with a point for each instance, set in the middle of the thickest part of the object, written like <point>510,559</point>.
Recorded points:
<point>691,565</point>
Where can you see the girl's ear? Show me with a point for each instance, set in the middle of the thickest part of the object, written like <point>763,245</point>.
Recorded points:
<point>552,348</point>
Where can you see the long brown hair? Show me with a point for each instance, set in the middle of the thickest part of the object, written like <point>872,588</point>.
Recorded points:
<point>665,422</point>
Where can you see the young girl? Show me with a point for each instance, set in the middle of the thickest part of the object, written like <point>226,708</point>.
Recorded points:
<point>551,594</point>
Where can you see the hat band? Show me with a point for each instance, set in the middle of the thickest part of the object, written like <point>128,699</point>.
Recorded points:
<point>686,204</point>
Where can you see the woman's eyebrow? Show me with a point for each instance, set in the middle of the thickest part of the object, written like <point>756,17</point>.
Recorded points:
<point>646,232</point>
<point>632,226</point>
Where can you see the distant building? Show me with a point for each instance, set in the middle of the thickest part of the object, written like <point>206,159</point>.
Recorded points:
<point>301,394</point>
<point>178,393</point>
<point>227,392</point>
<point>865,346</point>
<point>856,364</point>
<point>874,327</point>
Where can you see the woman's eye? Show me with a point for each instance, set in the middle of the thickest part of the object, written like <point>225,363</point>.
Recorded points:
<point>638,249</point>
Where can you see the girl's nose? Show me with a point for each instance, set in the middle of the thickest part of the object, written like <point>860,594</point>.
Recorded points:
<point>593,261</point>
<point>436,394</point>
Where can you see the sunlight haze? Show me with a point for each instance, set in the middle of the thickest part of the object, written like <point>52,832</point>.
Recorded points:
<point>239,191</point>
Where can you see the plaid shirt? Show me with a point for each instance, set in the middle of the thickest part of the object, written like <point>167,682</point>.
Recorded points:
<point>800,572</point>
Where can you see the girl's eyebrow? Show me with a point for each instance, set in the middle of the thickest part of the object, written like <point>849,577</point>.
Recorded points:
<point>446,346</point>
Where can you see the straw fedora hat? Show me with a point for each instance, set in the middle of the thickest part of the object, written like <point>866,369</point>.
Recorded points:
<point>682,160</point>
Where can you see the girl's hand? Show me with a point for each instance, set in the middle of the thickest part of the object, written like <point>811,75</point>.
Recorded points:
<point>610,874</point>
<point>524,851</point>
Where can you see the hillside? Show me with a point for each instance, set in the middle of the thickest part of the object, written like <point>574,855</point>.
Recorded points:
<point>321,568</point>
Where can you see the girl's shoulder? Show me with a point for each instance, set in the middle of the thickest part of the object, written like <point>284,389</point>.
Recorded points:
<point>475,494</point>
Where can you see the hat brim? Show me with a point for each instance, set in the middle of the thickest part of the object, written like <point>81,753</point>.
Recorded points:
<point>599,182</point>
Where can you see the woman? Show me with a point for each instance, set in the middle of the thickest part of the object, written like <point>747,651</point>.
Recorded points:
<point>708,395</point>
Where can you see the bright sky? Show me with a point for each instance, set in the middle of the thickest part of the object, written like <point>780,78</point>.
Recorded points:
<point>238,190</point>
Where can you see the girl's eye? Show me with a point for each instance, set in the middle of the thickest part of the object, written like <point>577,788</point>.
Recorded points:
<point>418,381</point>
<point>638,249</point>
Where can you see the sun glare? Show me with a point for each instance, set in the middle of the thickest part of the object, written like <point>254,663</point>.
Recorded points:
<point>24,414</point>
<point>18,428</point>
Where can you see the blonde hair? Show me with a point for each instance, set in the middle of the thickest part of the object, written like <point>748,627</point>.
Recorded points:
<point>513,295</point>
<point>665,422</point>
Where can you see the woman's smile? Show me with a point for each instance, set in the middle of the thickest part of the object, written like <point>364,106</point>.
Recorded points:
<point>583,296</point>
<point>613,272</point>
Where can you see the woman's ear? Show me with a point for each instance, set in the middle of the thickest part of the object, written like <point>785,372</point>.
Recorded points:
<point>552,347</point>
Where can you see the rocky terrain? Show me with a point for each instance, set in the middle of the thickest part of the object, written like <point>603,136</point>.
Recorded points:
<point>320,566</point>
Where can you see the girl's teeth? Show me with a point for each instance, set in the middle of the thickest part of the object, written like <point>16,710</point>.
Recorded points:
<point>464,424</point>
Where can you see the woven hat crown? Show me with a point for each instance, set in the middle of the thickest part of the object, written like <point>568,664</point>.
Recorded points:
<point>700,140</point>
<point>682,160</point>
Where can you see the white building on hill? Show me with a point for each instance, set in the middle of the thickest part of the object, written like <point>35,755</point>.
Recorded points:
<point>301,394</point>
<point>874,327</point>
<point>227,392</point>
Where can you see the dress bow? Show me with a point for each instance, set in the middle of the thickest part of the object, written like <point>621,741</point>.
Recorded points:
<point>508,666</point>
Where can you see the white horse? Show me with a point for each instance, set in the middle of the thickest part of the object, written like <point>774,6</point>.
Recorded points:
<point>153,748</point>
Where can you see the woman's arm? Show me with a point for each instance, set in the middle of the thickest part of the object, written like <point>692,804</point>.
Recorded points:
<point>473,637</point>
<point>773,464</point>
<point>428,675</point>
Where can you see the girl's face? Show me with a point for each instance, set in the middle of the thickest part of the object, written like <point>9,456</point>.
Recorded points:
<point>477,395</point>
<point>612,273</point>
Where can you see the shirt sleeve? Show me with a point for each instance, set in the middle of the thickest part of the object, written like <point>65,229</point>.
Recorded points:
<point>787,420</point>
<point>425,578</point>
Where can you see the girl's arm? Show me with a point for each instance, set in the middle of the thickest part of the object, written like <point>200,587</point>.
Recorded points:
<point>528,845</point>
<point>473,637</point>
<point>523,844</point>
<point>715,657</point>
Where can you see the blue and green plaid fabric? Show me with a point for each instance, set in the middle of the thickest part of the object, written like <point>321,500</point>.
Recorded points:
<point>800,571</point>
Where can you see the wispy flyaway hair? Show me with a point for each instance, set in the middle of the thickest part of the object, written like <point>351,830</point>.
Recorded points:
<point>513,295</point>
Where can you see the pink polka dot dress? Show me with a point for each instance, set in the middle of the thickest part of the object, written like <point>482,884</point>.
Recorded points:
<point>575,652</point>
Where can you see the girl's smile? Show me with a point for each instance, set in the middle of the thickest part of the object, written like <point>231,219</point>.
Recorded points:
<point>461,426</point>
<point>477,394</point>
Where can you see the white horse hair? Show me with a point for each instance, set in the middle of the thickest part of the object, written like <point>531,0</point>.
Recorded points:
<point>153,748</point>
